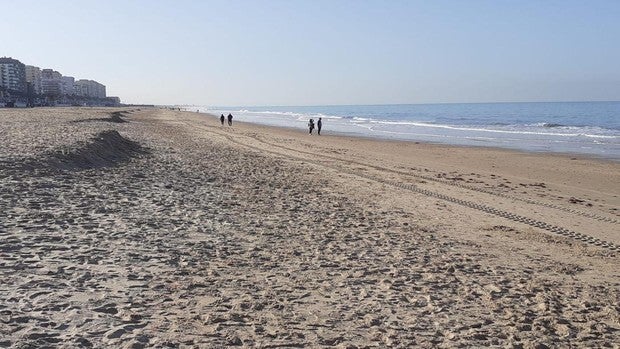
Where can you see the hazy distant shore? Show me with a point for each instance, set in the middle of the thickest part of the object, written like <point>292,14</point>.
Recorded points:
<point>145,227</point>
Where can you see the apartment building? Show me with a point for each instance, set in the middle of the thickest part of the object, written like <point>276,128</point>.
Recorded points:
<point>12,75</point>
<point>89,88</point>
<point>51,82</point>
<point>67,85</point>
<point>33,77</point>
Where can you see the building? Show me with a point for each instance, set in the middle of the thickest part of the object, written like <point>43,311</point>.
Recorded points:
<point>89,88</point>
<point>12,75</point>
<point>51,82</point>
<point>112,101</point>
<point>31,85</point>
<point>67,86</point>
<point>33,77</point>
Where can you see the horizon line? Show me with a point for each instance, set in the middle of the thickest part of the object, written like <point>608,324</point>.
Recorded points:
<point>383,104</point>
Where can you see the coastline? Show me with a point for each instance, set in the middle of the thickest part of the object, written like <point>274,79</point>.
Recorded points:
<point>580,156</point>
<point>435,152</point>
<point>165,228</point>
<point>532,127</point>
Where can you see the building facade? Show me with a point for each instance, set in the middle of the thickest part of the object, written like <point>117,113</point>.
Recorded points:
<point>12,75</point>
<point>67,86</point>
<point>33,77</point>
<point>89,88</point>
<point>112,101</point>
<point>51,82</point>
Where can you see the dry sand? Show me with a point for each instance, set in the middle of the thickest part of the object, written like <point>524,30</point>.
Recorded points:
<point>154,228</point>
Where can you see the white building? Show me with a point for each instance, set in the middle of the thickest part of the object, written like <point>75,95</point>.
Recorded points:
<point>89,88</point>
<point>12,75</point>
<point>51,82</point>
<point>33,77</point>
<point>67,86</point>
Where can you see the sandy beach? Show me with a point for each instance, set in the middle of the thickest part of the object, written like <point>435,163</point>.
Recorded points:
<point>152,228</point>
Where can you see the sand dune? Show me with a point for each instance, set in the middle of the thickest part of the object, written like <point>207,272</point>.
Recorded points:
<point>165,229</point>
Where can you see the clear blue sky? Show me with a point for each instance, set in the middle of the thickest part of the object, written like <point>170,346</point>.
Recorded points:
<point>324,52</point>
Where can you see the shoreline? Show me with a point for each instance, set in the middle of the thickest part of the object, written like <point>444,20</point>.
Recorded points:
<point>615,159</point>
<point>447,146</point>
<point>158,228</point>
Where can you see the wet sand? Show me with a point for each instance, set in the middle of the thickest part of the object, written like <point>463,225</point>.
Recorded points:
<point>155,228</point>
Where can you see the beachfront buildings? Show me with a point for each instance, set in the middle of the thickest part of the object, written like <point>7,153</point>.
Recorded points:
<point>51,83</point>
<point>67,87</point>
<point>12,75</point>
<point>89,88</point>
<point>33,77</point>
<point>22,84</point>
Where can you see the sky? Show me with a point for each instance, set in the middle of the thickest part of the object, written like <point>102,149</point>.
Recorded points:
<point>294,52</point>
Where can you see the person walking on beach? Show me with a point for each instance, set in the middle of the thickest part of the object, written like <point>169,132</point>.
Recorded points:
<point>318,126</point>
<point>229,119</point>
<point>311,125</point>
<point>222,119</point>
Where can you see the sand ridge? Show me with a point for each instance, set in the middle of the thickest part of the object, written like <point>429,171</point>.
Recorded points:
<point>213,237</point>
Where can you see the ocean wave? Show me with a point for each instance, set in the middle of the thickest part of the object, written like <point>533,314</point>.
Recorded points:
<point>576,131</point>
<point>545,124</point>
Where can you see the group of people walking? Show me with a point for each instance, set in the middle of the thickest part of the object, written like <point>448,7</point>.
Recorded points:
<point>319,124</point>
<point>229,119</point>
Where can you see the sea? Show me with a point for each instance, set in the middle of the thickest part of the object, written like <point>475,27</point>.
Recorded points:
<point>585,128</point>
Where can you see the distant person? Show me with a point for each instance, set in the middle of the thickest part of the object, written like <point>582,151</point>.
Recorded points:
<point>222,119</point>
<point>311,125</point>
<point>229,119</point>
<point>319,124</point>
